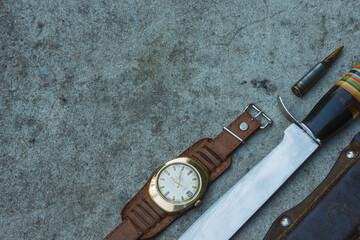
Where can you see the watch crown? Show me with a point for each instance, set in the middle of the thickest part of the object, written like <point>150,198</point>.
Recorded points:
<point>197,203</point>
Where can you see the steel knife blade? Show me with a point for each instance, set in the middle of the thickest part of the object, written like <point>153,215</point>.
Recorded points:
<point>251,192</point>
<point>332,210</point>
<point>335,109</point>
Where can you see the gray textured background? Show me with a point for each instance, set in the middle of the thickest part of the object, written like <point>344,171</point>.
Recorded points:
<point>95,95</point>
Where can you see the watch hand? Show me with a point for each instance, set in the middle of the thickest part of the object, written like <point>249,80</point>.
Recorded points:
<point>180,176</point>
<point>179,184</point>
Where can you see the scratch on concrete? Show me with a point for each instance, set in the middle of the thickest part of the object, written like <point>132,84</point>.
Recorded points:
<point>248,25</point>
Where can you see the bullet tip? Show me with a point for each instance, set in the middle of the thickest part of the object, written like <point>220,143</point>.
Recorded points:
<point>329,59</point>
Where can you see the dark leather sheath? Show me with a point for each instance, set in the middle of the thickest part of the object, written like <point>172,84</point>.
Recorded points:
<point>332,210</point>
<point>143,219</point>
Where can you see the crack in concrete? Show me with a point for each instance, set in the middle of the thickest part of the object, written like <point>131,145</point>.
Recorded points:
<point>248,25</point>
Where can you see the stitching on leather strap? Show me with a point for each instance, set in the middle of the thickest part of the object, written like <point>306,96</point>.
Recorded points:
<point>202,163</point>
<point>213,153</point>
<point>158,216</point>
<point>148,214</point>
<point>206,158</point>
<point>141,220</point>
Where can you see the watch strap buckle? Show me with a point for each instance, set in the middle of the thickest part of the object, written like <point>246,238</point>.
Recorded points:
<point>258,113</point>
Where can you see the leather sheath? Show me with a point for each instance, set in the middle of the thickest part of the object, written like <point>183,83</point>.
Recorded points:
<point>332,210</point>
<point>143,219</point>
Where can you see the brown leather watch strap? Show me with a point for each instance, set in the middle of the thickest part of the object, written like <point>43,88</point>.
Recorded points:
<point>214,155</point>
<point>226,143</point>
<point>143,213</point>
<point>125,231</point>
<point>143,219</point>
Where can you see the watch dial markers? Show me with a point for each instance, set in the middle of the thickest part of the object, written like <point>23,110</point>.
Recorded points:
<point>178,186</point>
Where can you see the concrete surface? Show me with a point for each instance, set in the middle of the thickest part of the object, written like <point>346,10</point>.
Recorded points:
<point>97,94</point>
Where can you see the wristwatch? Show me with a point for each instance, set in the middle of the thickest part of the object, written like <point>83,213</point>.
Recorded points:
<point>181,182</point>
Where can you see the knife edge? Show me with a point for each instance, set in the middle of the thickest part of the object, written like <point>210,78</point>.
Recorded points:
<point>298,213</point>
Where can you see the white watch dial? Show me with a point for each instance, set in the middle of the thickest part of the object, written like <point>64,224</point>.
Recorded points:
<point>178,183</point>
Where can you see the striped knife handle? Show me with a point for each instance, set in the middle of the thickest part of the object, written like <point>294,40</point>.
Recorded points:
<point>337,107</point>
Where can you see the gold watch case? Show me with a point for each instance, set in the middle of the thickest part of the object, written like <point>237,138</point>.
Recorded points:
<point>176,207</point>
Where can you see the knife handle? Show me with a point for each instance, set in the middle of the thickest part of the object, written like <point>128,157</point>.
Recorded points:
<point>331,211</point>
<point>337,108</point>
